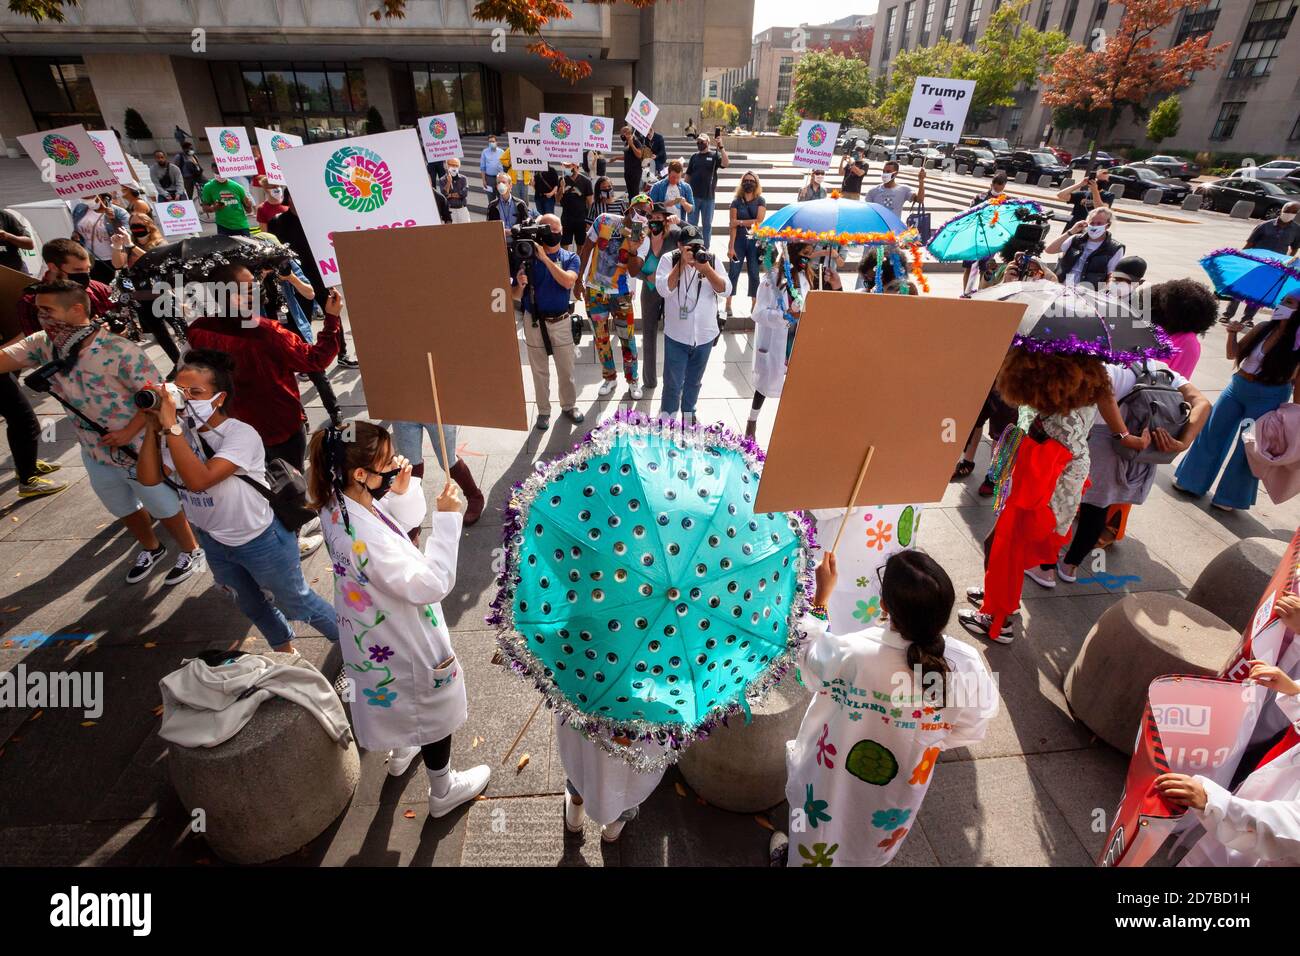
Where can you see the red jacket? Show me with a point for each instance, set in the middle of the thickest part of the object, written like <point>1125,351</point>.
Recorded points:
<point>267,359</point>
<point>100,303</point>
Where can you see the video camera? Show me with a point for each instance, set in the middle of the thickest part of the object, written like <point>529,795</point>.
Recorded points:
<point>690,237</point>
<point>523,240</point>
<point>1030,235</point>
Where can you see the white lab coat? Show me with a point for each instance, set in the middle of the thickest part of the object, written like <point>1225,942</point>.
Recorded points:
<point>1259,825</point>
<point>770,333</point>
<point>392,632</point>
<point>861,764</point>
<point>606,782</point>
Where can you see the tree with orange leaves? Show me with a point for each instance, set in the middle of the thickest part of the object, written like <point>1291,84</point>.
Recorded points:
<point>1126,70</point>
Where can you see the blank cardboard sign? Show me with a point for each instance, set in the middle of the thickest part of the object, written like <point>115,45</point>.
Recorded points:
<point>433,289</point>
<point>905,374</point>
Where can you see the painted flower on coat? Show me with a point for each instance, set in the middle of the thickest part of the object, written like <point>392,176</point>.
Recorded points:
<point>825,749</point>
<point>381,697</point>
<point>867,611</point>
<point>894,838</point>
<point>379,653</point>
<point>880,535</point>
<point>340,570</point>
<point>819,855</point>
<point>355,597</point>
<point>358,547</point>
<point>890,819</point>
<point>815,810</point>
<point>863,582</point>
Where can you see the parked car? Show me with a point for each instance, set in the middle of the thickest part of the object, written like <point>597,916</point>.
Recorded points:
<point>1062,155</point>
<point>1000,148</point>
<point>882,146</point>
<point>1035,163</point>
<point>974,156</point>
<point>1174,166</point>
<point>849,136</point>
<point>1269,196</point>
<point>1103,159</point>
<point>1274,169</point>
<point>1136,180</point>
<point>925,154</point>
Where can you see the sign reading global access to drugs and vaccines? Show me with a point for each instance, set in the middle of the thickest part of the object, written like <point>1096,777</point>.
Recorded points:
<point>106,142</point>
<point>814,147</point>
<point>533,127</point>
<point>70,162</point>
<point>562,136</point>
<point>440,136</point>
<point>526,153</point>
<point>232,150</point>
<point>178,218</point>
<point>271,142</point>
<point>938,108</point>
<point>641,114</point>
<point>366,182</point>
<point>599,134</point>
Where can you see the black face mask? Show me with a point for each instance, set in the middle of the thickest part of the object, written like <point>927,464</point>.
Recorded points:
<point>140,232</point>
<point>81,278</point>
<point>386,479</point>
<point>656,227</point>
<point>552,240</point>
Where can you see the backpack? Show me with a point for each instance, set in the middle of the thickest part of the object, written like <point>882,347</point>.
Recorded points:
<point>1153,403</point>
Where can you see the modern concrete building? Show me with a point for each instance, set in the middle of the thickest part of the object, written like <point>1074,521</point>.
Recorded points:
<point>315,67</point>
<point>772,57</point>
<point>1250,104</point>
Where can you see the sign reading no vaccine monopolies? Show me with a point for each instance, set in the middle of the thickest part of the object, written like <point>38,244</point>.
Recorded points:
<point>938,108</point>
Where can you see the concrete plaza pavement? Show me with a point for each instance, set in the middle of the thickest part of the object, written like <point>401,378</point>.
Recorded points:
<point>77,791</point>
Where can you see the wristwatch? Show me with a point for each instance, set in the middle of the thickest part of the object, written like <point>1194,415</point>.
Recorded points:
<point>1120,436</point>
<point>175,429</point>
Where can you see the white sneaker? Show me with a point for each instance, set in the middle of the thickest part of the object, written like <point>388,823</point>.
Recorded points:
<point>1040,577</point>
<point>308,545</point>
<point>607,386</point>
<point>574,814</point>
<point>465,786</point>
<point>311,527</point>
<point>610,832</point>
<point>637,392</point>
<point>1065,575</point>
<point>399,761</point>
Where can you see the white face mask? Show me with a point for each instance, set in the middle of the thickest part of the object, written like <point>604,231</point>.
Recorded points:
<point>1096,232</point>
<point>1283,312</point>
<point>503,188</point>
<point>202,408</point>
<point>886,177</point>
<point>1286,216</point>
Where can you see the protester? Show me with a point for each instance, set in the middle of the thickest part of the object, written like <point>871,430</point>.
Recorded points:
<point>1084,197</point>
<point>594,163</point>
<point>674,192</point>
<point>65,260</point>
<point>142,235</point>
<point>14,240</point>
<point>748,207</point>
<point>939,696</point>
<point>602,785</point>
<point>702,177</point>
<point>284,287</point>
<point>503,207</point>
<point>396,645</point>
<point>1186,310</point>
<point>997,186</point>
<point>489,164</point>
<point>1267,366</point>
<point>1089,253</point>
<point>187,161</point>
<point>521,180</point>
<point>167,178</point>
<point>543,289</point>
<point>220,464</point>
<point>576,198</point>
<point>777,310</point>
<point>664,231</point>
<point>892,194</point>
<point>229,202</point>
<point>455,189</point>
<point>273,206</point>
<point>812,188</point>
<point>546,190</point>
<point>97,374</point>
<point>23,430</point>
<point>659,150</point>
<point>94,225</point>
<point>691,284</point>
<point>134,201</point>
<point>635,149</point>
<point>1280,234</point>
<point>853,167</point>
<point>604,201</point>
<point>611,258</point>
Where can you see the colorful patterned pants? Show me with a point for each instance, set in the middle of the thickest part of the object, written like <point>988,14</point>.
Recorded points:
<point>612,312</point>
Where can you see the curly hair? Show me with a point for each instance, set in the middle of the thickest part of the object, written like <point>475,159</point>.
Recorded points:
<point>1183,305</point>
<point>1052,384</point>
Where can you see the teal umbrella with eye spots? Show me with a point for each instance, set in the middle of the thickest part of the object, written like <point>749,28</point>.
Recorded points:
<point>641,592</point>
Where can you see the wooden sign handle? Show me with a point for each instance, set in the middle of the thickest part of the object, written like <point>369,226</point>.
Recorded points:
<point>866,463</point>
<point>522,730</point>
<point>437,413</point>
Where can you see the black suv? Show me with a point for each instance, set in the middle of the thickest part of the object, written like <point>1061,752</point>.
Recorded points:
<point>976,156</point>
<point>1035,163</point>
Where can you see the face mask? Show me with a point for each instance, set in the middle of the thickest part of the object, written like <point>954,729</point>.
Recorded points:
<point>702,147</point>
<point>503,188</point>
<point>276,196</point>
<point>81,278</point>
<point>492,144</point>
<point>606,194</point>
<point>202,408</point>
<point>1096,232</point>
<point>1283,312</point>
<point>140,232</point>
<point>656,227</point>
<point>386,479</point>
<point>886,178</point>
<point>551,239</point>
<point>1286,216</point>
<point>454,170</point>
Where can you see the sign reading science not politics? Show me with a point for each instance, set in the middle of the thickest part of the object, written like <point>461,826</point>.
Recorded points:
<point>367,182</point>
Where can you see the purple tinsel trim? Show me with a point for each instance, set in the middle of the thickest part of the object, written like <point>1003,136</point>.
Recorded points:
<point>976,210</point>
<point>1073,345</point>
<point>1210,264</point>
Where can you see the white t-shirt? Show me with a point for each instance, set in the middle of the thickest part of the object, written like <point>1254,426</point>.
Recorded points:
<point>1123,378</point>
<point>894,198</point>
<point>94,228</point>
<point>230,511</point>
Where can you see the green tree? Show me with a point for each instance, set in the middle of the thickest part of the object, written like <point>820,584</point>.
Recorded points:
<point>744,97</point>
<point>873,119</point>
<point>135,126</point>
<point>39,10</point>
<point>719,113</point>
<point>790,121</point>
<point>375,122</point>
<point>828,85</point>
<point>1165,119</point>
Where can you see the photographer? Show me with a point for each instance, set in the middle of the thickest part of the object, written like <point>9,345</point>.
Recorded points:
<point>1089,253</point>
<point>543,288</point>
<point>283,285</point>
<point>635,149</point>
<point>95,375</point>
<point>251,554</point>
<point>691,284</point>
<point>673,191</point>
<point>1086,196</point>
<point>664,233</point>
<point>854,168</point>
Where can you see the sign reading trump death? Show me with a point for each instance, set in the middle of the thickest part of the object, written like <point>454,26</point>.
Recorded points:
<point>367,182</point>
<point>814,147</point>
<point>70,162</point>
<point>598,133</point>
<point>526,153</point>
<point>440,136</point>
<point>562,136</point>
<point>232,150</point>
<point>178,218</point>
<point>641,114</point>
<point>938,108</point>
<point>271,142</point>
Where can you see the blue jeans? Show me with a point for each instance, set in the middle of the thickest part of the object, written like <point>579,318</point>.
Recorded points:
<point>269,562</point>
<point>408,440</point>
<point>545,205</point>
<point>226,231</point>
<point>747,257</point>
<point>1239,401</point>
<point>702,216</point>
<point>683,373</point>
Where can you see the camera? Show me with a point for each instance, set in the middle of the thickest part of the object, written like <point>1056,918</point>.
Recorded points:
<point>147,399</point>
<point>523,240</point>
<point>690,237</point>
<point>1030,235</point>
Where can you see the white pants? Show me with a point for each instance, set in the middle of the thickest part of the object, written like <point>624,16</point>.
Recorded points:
<point>460,215</point>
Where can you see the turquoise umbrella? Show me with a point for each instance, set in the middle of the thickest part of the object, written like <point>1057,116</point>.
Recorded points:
<point>641,593</point>
<point>981,231</point>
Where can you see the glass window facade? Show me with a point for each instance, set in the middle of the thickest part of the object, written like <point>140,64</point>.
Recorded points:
<point>891,21</point>
<point>58,92</point>
<point>317,101</point>
<point>1226,124</point>
<point>1044,13</point>
<point>470,90</point>
<point>1198,21</point>
<point>972,22</point>
<point>909,21</point>
<point>949,17</point>
<point>927,24</point>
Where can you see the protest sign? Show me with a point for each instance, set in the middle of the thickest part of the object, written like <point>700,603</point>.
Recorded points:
<point>271,142</point>
<point>70,162</point>
<point>178,218</point>
<point>526,153</point>
<point>460,311</point>
<point>533,127</point>
<point>12,285</point>
<point>641,115</point>
<point>106,142</point>
<point>598,134</point>
<point>562,136</point>
<point>814,147</point>
<point>232,150</point>
<point>440,136</point>
<point>938,108</point>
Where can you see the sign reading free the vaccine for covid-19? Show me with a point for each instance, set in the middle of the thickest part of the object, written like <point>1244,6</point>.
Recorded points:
<point>367,182</point>
<point>938,108</point>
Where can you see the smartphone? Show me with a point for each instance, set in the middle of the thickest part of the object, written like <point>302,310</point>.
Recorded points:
<point>717,132</point>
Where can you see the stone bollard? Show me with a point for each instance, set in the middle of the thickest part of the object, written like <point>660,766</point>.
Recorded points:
<point>1022,177</point>
<point>1153,196</point>
<point>272,788</point>
<point>741,767</point>
<point>1232,583</point>
<point>1242,209</point>
<point>1044,181</point>
<point>1117,190</point>
<point>1192,202</point>
<point>1145,636</point>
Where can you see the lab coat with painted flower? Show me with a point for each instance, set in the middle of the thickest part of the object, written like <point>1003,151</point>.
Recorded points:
<point>868,746</point>
<point>409,688</point>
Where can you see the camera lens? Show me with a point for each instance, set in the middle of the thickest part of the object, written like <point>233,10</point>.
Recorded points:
<point>146,399</point>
